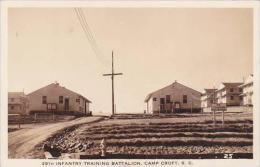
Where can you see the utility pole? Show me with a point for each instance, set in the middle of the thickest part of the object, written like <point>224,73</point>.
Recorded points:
<point>112,78</point>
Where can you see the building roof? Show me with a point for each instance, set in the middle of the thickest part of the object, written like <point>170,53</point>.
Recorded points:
<point>57,84</point>
<point>208,91</point>
<point>229,84</point>
<point>16,94</point>
<point>249,80</point>
<point>148,97</point>
<point>150,94</point>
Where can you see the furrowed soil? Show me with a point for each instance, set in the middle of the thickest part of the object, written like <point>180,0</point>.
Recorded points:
<point>157,135</point>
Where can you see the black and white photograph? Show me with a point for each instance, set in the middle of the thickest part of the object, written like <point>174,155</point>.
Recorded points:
<point>115,81</point>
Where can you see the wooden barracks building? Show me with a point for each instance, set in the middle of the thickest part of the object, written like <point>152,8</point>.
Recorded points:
<point>57,98</point>
<point>208,97</point>
<point>229,93</point>
<point>173,98</point>
<point>17,103</point>
<point>51,98</point>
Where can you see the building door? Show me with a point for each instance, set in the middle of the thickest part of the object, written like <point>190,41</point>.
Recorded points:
<point>162,105</point>
<point>66,104</point>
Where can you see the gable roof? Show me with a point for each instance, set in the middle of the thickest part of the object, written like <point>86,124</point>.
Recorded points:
<point>148,97</point>
<point>16,93</point>
<point>174,83</point>
<point>57,84</point>
<point>229,84</point>
<point>209,91</point>
<point>249,80</point>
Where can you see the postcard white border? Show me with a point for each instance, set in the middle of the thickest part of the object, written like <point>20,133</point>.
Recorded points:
<point>5,162</point>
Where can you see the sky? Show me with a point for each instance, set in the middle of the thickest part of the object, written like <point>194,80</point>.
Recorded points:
<point>153,47</point>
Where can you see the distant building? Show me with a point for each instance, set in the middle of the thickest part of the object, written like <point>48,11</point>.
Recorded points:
<point>55,98</point>
<point>17,103</point>
<point>247,94</point>
<point>228,93</point>
<point>208,97</point>
<point>174,98</point>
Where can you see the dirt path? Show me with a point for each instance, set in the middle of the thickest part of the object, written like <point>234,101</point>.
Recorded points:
<point>23,141</point>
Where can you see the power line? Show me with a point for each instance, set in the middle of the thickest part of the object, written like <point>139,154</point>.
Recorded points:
<point>83,22</point>
<point>87,30</point>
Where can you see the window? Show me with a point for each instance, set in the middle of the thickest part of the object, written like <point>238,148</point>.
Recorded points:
<point>231,90</point>
<point>185,99</point>
<point>12,107</point>
<point>211,101</point>
<point>61,99</point>
<point>231,97</point>
<point>154,99</point>
<point>78,100</point>
<point>240,89</point>
<point>168,98</point>
<point>162,100</point>
<point>44,99</point>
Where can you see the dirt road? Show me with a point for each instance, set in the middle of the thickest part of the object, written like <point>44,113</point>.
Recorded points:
<point>23,141</point>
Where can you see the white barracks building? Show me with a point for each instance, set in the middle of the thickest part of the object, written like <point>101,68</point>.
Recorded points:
<point>247,94</point>
<point>172,99</point>
<point>56,98</point>
<point>229,93</point>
